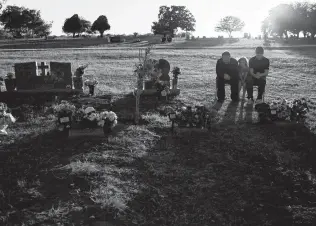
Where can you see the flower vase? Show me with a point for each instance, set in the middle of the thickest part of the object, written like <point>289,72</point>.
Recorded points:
<point>174,83</point>
<point>10,84</point>
<point>91,90</point>
<point>78,83</point>
<point>107,127</point>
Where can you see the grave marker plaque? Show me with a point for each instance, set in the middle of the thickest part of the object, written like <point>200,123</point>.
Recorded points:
<point>25,74</point>
<point>62,75</point>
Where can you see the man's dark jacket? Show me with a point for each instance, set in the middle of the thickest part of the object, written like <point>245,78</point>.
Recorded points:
<point>231,69</point>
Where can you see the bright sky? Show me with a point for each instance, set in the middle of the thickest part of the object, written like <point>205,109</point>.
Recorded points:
<point>128,16</point>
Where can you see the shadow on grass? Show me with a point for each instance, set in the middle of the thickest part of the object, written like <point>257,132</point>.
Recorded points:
<point>144,175</point>
<point>247,176</point>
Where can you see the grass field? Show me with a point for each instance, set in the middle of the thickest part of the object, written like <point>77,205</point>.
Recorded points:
<point>239,173</point>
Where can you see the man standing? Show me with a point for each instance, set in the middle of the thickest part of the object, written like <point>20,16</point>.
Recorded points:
<point>227,73</point>
<point>259,70</point>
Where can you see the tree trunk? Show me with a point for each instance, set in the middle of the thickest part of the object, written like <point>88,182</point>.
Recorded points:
<point>73,35</point>
<point>298,35</point>
<point>101,34</point>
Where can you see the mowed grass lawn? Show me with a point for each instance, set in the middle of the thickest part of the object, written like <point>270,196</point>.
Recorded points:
<point>292,73</point>
<point>236,174</point>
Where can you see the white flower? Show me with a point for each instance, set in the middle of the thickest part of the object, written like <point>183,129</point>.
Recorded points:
<point>89,110</point>
<point>93,117</point>
<point>101,123</point>
<point>103,115</point>
<point>111,116</point>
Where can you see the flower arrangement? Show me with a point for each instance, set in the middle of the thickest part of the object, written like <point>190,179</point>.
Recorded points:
<point>163,88</point>
<point>146,66</point>
<point>295,110</point>
<point>108,118</point>
<point>91,84</point>
<point>4,116</point>
<point>64,108</point>
<point>188,116</point>
<point>176,72</point>
<point>90,118</point>
<point>87,116</point>
<point>282,109</point>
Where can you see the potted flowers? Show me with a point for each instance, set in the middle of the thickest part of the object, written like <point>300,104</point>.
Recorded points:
<point>108,120</point>
<point>87,117</point>
<point>10,82</point>
<point>176,72</point>
<point>64,112</point>
<point>163,89</point>
<point>91,84</point>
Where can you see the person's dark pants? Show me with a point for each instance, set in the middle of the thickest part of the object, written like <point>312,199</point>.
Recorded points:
<point>251,82</point>
<point>234,86</point>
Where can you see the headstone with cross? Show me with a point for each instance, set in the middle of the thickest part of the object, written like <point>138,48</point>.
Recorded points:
<point>43,81</point>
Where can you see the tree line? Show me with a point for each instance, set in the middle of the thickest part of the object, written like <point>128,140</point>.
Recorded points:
<point>24,22</point>
<point>283,20</point>
<point>291,19</point>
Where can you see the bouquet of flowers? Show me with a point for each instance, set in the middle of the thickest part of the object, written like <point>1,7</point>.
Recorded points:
<point>162,88</point>
<point>92,82</point>
<point>145,67</point>
<point>280,110</point>
<point>176,72</point>
<point>64,108</point>
<point>88,116</point>
<point>198,117</point>
<point>108,119</point>
<point>4,116</point>
<point>299,109</point>
<point>283,109</point>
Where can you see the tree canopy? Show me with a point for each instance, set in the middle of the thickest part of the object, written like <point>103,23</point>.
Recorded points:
<point>295,18</point>
<point>230,24</point>
<point>101,25</point>
<point>21,21</point>
<point>172,18</point>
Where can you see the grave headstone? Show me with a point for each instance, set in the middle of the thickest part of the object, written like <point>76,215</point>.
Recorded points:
<point>25,74</point>
<point>115,39</point>
<point>43,81</point>
<point>61,74</point>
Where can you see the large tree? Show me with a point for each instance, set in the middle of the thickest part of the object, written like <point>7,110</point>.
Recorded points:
<point>172,18</point>
<point>43,30</point>
<point>85,26</point>
<point>101,25</point>
<point>230,24</point>
<point>299,18</point>
<point>280,19</point>
<point>311,21</point>
<point>72,25</point>
<point>21,21</point>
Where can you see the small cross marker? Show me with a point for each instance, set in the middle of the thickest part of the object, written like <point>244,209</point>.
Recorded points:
<point>43,68</point>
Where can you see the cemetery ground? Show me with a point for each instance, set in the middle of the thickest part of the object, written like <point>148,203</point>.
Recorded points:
<point>238,173</point>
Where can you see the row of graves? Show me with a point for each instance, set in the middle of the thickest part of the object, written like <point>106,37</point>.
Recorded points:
<point>153,80</point>
<point>38,80</point>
